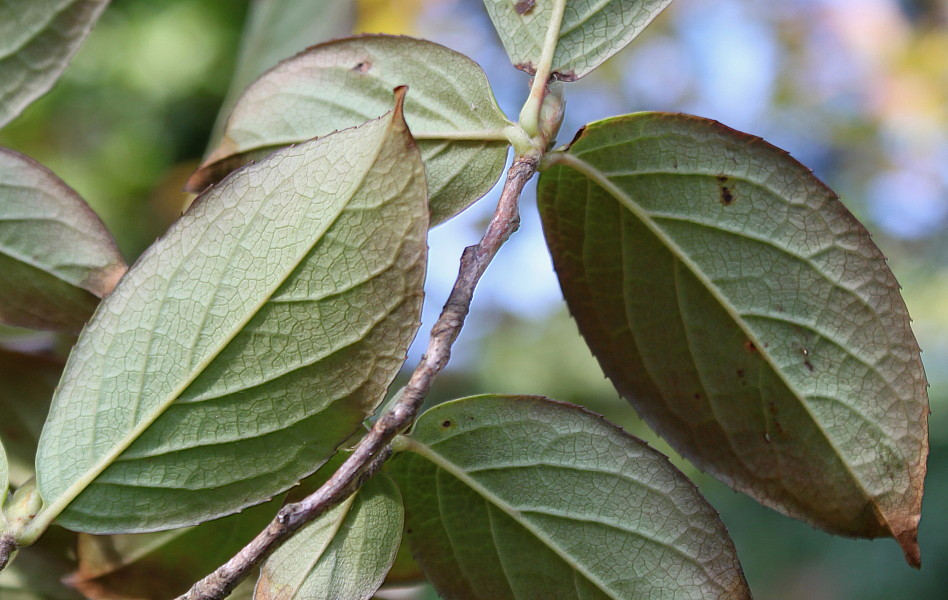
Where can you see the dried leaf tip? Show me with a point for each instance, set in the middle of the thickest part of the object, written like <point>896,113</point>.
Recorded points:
<point>908,540</point>
<point>398,113</point>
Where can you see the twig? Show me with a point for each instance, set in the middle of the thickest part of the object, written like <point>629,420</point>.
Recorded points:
<point>8,546</point>
<point>373,449</point>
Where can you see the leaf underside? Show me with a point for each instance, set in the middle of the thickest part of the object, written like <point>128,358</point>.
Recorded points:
<point>747,315</point>
<point>590,32</point>
<point>521,497</point>
<point>346,553</point>
<point>346,82</point>
<point>278,29</point>
<point>56,257</point>
<point>247,343</point>
<point>37,40</point>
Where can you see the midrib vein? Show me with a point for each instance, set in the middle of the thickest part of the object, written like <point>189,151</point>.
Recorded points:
<point>597,177</point>
<point>49,512</point>
<point>445,465</point>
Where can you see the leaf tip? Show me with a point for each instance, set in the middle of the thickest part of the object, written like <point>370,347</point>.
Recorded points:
<point>908,540</point>
<point>400,93</point>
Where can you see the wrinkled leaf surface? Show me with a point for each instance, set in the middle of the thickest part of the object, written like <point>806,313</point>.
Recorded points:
<point>590,31</point>
<point>247,343</point>
<point>37,40</point>
<point>56,257</point>
<point>450,109</point>
<point>747,315</point>
<point>346,553</point>
<point>522,497</point>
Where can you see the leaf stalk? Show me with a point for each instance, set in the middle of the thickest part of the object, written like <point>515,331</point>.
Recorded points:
<point>530,113</point>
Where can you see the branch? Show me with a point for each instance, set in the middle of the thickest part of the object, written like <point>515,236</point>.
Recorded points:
<point>8,546</point>
<point>373,449</point>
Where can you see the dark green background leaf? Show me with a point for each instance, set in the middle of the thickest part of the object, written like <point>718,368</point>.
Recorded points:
<point>747,315</point>
<point>27,383</point>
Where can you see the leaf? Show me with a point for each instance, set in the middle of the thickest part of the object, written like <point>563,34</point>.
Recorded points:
<point>56,257</point>
<point>165,564</point>
<point>523,497</point>
<point>747,315</point>
<point>278,29</point>
<point>589,33</point>
<point>451,111</point>
<point>246,344</point>
<point>346,553</point>
<point>27,383</point>
<point>37,41</point>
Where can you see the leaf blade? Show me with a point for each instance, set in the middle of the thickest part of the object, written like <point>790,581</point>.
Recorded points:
<point>345,82</point>
<point>278,29</point>
<point>346,553</point>
<point>281,304</point>
<point>56,257</point>
<point>39,39</point>
<point>509,496</point>
<point>590,33</point>
<point>777,295</point>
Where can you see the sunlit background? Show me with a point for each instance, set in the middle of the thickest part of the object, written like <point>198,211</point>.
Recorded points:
<point>855,89</point>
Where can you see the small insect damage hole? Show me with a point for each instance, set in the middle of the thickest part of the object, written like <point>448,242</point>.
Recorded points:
<point>362,66</point>
<point>446,424</point>
<point>524,6</point>
<point>726,196</point>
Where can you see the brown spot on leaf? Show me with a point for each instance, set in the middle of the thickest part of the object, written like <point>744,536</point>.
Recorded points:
<point>808,365</point>
<point>362,66</point>
<point>740,373</point>
<point>564,75</point>
<point>526,67</point>
<point>750,347</point>
<point>697,396</point>
<point>726,195</point>
<point>524,6</point>
<point>446,424</point>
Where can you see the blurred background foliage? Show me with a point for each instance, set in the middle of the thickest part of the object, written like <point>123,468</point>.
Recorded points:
<point>855,89</point>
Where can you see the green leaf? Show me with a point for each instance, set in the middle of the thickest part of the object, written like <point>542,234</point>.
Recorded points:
<point>27,384</point>
<point>278,29</point>
<point>523,497</point>
<point>451,111</point>
<point>247,343</point>
<point>586,34</point>
<point>56,257</point>
<point>346,553</point>
<point>747,315</point>
<point>37,40</point>
<point>164,564</point>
